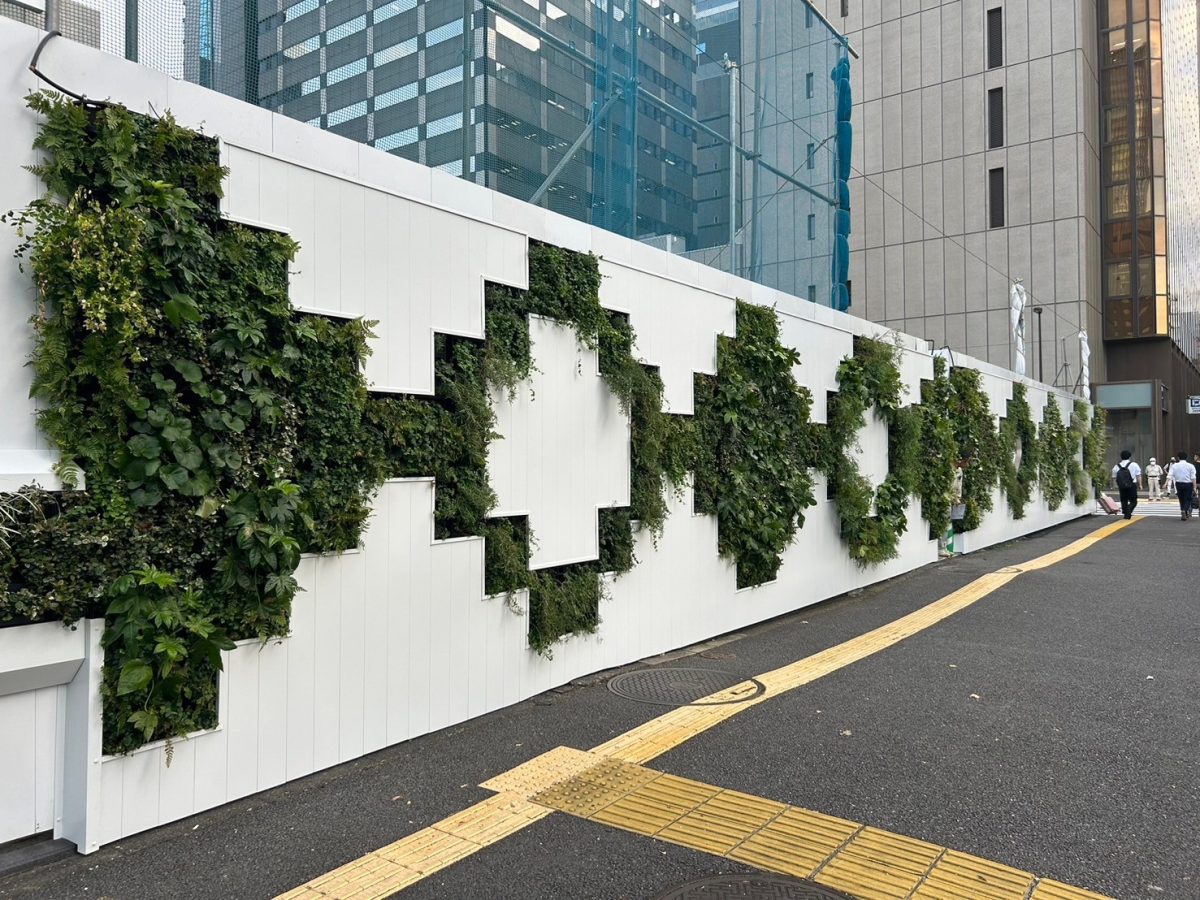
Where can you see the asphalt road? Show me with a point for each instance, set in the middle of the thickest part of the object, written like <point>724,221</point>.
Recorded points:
<point>1052,726</point>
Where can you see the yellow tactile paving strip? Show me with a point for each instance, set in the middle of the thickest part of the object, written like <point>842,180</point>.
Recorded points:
<point>787,843</point>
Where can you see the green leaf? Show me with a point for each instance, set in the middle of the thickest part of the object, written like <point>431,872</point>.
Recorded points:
<point>173,476</point>
<point>144,445</point>
<point>148,495</point>
<point>188,369</point>
<point>138,470</point>
<point>144,721</point>
<point>181,308</point>
<point>188,455</point>
<point>135,676</point>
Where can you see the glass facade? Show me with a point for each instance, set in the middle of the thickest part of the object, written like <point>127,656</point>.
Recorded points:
<point>1132,170</point>
<point>614,112</point>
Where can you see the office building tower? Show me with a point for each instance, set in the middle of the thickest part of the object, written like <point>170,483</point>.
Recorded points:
<point>773,64</point>
<point>390,73</point>
<point>1055,143</point>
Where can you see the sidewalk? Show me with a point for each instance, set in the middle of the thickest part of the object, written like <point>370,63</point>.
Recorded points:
<point>1048,726</point>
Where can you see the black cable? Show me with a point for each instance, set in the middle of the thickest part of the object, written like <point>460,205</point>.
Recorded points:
<point>33,67</point>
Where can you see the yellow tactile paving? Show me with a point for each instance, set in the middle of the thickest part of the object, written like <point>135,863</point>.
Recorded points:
<point>795,842</point>
<point>958,875</point>
<point>876,865</point>
<point>541,772</point>
<point>1048,889</point>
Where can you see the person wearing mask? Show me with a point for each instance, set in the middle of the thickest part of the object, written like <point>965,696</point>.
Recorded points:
<point>1154,473</point>
<point>1171,481</point>
<point>1128,476</point>
<point>1183,473</point>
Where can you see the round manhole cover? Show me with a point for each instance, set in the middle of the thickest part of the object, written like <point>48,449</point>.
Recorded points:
<point>751,888</point>
<point>680,686</point>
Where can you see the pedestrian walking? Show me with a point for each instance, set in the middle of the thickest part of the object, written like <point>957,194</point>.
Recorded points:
<point>1170,480</point>
<point>1154,474</point>
<point>1195,492</point>
<point>1128,476</point>
<point>1183,473</point>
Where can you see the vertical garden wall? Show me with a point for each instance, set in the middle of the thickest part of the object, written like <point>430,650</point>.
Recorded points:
<point>223,434</point>
<point>261,528</point>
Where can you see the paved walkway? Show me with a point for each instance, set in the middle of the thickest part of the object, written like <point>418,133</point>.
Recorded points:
<point>1016,723</point>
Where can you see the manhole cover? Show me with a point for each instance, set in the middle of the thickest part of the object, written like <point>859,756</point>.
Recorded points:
<point>678,686</point>
<point>751,888</point>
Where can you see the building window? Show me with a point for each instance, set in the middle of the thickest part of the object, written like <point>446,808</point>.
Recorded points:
<point>996,118</point>
<point>808,85</point>
<point>845,8</point>
<point>995,38</point>
<point>812,227</point>
<point>812,293</point>
<point>808,16</point>
<point>995,198</point>
<point>810,158</point>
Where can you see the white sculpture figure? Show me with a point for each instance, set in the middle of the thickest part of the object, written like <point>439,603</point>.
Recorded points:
<point>1017,317</point>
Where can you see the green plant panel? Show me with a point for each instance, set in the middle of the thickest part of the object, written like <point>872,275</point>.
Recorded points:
<point>978,443</point>
<point>754,445</point>
<point>1020,452</point>
<point>1056,452</point>
<point>565,286</point>
<point>870,380</point>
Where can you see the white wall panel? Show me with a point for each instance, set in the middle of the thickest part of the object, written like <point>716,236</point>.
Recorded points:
<point>676,326</point>
<point>363,249</point>
<point>563,451</point>
<point>30,731</point>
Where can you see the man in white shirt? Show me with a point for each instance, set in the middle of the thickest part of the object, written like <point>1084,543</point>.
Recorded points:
<point>1128,476</point>
<point>1154,474</point>
<point>1183,473</point>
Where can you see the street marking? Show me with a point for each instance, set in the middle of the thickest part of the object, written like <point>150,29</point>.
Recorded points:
<point>866,862</point>
<point>385,871</point>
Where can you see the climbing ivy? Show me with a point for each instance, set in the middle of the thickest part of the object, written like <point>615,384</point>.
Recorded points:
<point>977,441</point>
<point>1020,456</point>
<point>1056,452</point>
<point>754,446</point>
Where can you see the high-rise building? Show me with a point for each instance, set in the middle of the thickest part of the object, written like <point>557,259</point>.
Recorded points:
<point>772,64</point>
<point>390,73</point>
<point>1055,143</point>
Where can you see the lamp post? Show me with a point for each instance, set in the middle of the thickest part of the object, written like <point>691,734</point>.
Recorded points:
<point>1037,311</point>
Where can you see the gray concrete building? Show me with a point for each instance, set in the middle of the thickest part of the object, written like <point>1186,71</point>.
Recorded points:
<point>977,159</point>
<point>1051,142</point>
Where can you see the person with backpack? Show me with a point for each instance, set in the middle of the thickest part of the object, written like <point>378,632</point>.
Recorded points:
<point>1183,473</point>
<point>1128,476</point>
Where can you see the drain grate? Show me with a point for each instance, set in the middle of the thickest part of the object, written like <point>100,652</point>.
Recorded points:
<point>724,887</point>
<point>681,686</point>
